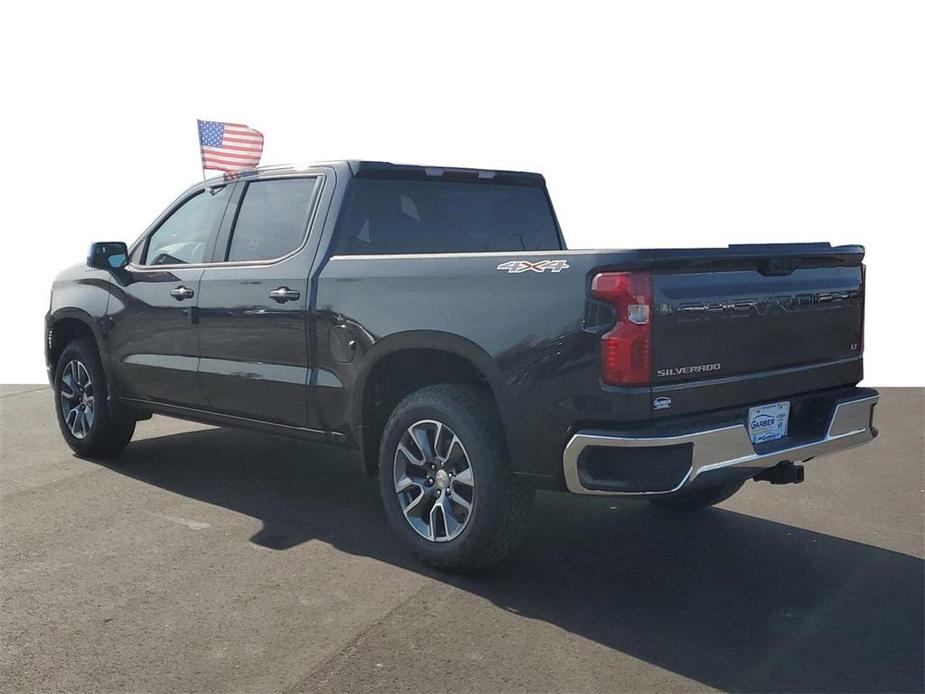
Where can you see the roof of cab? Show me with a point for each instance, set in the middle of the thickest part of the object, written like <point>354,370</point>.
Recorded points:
<point>387,170</point>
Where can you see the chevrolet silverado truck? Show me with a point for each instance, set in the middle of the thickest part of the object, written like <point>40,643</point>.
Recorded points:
<point>432,321</point>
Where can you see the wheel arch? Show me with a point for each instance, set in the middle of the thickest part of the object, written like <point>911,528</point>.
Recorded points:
<point>429,357</point>
<point>68,324</point>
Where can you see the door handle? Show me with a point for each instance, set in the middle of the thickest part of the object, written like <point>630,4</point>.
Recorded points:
<point>181,293</point>
<point>284,294</point>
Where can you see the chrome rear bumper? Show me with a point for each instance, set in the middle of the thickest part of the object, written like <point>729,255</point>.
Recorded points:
<point>728,447</point>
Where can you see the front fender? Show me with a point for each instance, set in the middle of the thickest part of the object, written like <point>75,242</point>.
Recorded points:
<point>84,298</point>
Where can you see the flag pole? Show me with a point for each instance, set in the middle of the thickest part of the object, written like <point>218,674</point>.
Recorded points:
<point>199,139</point>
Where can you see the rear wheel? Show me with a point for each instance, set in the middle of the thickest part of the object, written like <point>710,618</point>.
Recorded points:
<point>699,498</point>
<point>446,481</point>
<point>86,421</point>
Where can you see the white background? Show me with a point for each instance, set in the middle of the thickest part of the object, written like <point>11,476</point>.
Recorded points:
<point>656,124</point>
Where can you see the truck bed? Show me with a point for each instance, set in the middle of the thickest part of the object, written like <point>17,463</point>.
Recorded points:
<point>730,326</point>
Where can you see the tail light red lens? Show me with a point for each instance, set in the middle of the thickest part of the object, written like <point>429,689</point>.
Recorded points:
<point>626,351</point>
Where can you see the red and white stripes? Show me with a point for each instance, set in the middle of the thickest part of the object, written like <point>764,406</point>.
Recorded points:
<point>240,148</point>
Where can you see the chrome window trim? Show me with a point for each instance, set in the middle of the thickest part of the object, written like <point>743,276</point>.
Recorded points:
<point>475,254</point>
<point>240,263</point>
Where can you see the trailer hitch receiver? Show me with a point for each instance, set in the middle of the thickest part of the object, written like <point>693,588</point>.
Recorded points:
<point>782,473</point>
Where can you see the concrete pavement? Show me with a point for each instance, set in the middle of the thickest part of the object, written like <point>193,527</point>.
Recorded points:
<point>213,560</point>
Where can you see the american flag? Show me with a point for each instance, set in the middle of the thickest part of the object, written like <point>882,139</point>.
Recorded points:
<point>229,146</point>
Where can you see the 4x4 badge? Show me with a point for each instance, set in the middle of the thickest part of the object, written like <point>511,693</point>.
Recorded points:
<point>518,266</point>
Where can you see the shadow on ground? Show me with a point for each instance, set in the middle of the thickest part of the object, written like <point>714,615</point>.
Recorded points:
<point>732,601</point>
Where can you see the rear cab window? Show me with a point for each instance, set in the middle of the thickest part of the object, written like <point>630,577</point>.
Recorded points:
<point>392,216</point>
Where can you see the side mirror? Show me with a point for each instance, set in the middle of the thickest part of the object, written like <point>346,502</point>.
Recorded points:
<point>108,255</point>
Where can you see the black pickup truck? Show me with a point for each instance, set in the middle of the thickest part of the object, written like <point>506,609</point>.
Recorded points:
<point>431,320</point>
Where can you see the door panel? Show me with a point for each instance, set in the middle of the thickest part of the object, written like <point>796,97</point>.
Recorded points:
<point>252,329</point>
<point>152,338</point>
<point>254,351</point>
<point>152,332</point>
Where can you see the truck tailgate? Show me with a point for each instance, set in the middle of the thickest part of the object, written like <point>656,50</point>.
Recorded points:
<point>710,325</point>
<point>715,324</point>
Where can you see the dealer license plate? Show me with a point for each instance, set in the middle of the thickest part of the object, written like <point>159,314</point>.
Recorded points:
<point>768,422</point>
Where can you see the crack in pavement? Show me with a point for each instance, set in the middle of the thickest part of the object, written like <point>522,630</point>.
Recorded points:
<point>23,392</point>
<point>347,651</point>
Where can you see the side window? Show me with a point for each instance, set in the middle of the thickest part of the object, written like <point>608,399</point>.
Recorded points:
<point>272,218</point>
<point>184,236</point>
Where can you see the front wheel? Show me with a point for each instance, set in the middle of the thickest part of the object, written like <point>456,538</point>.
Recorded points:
<point>87,422</point>
<point>446,481</point>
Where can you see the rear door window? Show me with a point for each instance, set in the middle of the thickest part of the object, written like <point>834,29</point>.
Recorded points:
<point>272,218</point>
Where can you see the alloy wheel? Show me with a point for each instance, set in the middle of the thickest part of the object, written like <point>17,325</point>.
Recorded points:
<point>434,481</point>
<point>78,402</point>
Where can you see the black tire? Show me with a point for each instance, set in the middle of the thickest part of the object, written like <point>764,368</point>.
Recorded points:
<point>499,514</point>
<point>700,498</point>
<point>105,433</point>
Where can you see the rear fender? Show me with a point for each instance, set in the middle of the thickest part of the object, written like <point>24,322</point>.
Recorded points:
<point>427,340</point>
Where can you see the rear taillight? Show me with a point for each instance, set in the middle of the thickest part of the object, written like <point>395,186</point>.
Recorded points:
<point>626,351</point>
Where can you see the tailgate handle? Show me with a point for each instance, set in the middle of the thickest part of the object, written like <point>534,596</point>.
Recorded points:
<point>777,266</point>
